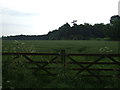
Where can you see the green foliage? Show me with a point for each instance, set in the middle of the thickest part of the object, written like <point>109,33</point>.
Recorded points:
<point>15,75</point>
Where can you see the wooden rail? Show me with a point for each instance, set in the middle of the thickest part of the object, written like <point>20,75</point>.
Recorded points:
<point>66,54</point>
<point>41,65</point>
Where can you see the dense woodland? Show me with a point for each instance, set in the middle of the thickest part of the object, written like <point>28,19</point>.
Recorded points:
<point>86,31</point>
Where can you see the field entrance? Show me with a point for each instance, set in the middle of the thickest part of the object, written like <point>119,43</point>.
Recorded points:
<point>80,64</point>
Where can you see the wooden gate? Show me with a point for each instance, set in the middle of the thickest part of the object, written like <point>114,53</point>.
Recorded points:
<point>82,66</point>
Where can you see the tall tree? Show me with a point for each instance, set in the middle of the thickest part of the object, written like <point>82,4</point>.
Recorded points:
<point>115,27</point>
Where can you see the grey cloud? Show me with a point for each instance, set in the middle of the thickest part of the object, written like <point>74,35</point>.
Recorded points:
<point>15,12</point>
<point>9,29</point>
<point>13,24</point>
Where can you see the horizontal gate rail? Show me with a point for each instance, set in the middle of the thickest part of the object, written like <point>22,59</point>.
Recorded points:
<point>80,69</point>
<point>45,62</point>
<point>50,54</point>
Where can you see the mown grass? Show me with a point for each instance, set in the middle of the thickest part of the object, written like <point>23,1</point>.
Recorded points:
<point>16,74</point>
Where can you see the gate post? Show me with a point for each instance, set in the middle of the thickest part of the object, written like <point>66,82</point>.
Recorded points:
<point>63,56</point>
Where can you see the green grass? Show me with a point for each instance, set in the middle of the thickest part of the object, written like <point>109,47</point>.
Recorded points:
<point>16,74</point>
<point>76,46</point>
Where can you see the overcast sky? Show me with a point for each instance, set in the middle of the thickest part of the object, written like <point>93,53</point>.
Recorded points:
<point>37,17</point>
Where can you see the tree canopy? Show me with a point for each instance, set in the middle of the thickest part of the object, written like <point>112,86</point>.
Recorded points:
<point>84,31</point>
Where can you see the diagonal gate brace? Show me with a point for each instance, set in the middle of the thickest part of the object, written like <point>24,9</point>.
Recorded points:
<point>86,68</point>
<point>39,66</point>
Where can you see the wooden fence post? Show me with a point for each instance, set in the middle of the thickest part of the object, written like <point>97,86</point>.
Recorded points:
<point>63,56</point>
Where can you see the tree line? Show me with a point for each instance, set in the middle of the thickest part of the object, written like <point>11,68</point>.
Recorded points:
<point>86,31</point>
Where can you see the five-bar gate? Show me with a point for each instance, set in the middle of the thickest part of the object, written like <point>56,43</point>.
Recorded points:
<point>82,66</point>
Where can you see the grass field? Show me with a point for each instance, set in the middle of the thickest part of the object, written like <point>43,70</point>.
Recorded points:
<point>16,75</point>
<point>76,46</point>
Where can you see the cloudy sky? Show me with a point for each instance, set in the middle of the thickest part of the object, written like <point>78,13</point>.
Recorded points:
<point>37,17</point>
